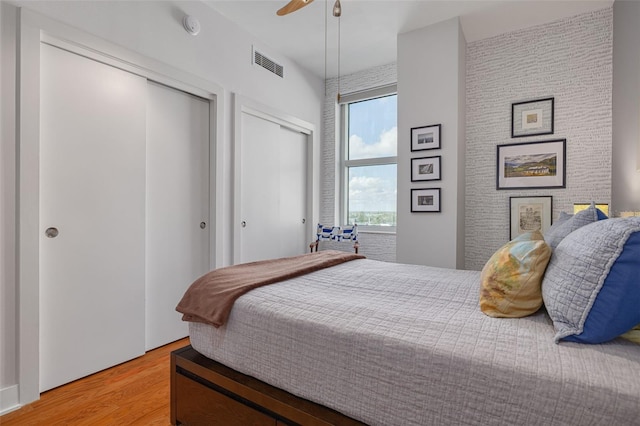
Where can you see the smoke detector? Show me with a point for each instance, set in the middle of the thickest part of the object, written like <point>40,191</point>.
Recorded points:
<point>191,25</point>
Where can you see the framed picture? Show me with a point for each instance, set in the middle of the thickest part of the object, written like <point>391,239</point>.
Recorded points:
<point>529,214</point>
<point>425,200</point>
<point>532,165</point>
<point>532,118</point>
<point>425,168</point>
<point>426,137</point>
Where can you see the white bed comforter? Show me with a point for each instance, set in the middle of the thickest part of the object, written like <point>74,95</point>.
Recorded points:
<point>392,344</point>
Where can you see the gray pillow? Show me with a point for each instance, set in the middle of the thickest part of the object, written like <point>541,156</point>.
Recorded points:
<point>562,218</point>
<point>590,288</point>
<point>566,224</point>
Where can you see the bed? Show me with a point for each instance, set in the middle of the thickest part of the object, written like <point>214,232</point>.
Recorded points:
<point>370,342</point>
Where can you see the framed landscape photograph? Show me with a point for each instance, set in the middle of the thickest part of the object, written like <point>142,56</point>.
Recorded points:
<point>426,137</point>
<point>425,200</point>
<point>425,168</point>
<point>532,118</point>
<point>532,165</point>
<point>529,214</point>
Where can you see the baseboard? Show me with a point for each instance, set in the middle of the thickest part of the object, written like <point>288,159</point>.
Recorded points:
<point>9,399</point>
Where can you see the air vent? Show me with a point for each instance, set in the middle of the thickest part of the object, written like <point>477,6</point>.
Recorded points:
<point>267,64</point>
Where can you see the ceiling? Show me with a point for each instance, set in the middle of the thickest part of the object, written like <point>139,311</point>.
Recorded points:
<point>369,28</point>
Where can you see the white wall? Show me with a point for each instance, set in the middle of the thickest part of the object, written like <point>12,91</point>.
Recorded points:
<point>221,54</point>
<point>462,150</point>
<point>7,211</point>
<point>431,91</point>
<point>625,189</point>
<point>570,60</point>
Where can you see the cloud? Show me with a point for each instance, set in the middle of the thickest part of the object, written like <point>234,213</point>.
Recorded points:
<point>372,194</point>
<point>385,146</point>
<point>359,184</point>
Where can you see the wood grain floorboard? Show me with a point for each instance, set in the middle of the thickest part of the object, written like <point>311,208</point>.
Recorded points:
<point>132,393</point>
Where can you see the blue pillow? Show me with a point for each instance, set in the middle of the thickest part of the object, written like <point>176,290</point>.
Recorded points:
<point>591,288</point>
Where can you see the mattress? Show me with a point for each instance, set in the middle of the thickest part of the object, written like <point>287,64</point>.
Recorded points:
<point>393,344</point>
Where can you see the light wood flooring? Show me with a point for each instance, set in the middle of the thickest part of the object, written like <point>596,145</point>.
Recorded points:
<point>133,393</point>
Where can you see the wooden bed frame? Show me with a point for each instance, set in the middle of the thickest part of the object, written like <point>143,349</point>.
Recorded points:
<point>205,392</point>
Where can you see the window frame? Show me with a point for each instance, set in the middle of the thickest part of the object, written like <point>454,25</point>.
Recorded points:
<point>345,165</point>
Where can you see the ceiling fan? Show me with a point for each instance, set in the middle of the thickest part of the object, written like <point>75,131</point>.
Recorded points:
<point>294,5</point>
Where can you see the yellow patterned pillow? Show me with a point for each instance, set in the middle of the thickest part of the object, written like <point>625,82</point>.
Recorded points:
<point>633,334</point>
<point>511,280</point>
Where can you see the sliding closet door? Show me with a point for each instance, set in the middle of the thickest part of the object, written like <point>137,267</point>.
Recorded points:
<point>273,190</point>
<point>92,216</point>
<point>260,185</point>
<point>177,206</point>
<point>293,192</point>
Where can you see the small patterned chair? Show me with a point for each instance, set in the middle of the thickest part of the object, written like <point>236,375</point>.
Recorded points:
<point>336,233</point>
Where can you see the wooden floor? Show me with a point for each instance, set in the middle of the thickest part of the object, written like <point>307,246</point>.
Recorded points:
<point>133,393</point>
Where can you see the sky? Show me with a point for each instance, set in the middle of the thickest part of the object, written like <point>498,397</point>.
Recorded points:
<point>373,133</point>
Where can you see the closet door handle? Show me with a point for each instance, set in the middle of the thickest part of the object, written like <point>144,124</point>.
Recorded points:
<point>51,232</point>
<point>203,225</point>
<point>243,223</point>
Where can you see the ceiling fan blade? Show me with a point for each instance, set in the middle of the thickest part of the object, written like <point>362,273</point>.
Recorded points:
<point>292,6</point>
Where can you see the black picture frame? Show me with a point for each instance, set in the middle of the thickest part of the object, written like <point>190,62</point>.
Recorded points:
<point>532,118</point>
<point>426,137</point>
<point>425,200</point>
<point>528,214</point>
<point>426,169</point>
<point>532,165</point>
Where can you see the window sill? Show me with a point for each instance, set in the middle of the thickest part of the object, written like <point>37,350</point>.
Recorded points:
<point>375,231</point>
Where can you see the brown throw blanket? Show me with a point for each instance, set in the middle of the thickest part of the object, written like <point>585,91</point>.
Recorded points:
<point>210,298</point>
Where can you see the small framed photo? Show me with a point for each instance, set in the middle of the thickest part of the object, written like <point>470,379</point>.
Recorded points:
<point>426,137</point>
<point>530,214</point>
<point>532,165</point>
<point>425,200</point>
<point>532,118</point>
<point>425,168</point>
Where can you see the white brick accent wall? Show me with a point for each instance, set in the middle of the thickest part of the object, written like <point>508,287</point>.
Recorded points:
<point>570,60</point>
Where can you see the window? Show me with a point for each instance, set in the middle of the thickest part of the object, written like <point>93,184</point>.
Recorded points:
<point>369,159</point>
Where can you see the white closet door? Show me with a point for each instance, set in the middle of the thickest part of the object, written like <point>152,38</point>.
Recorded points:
<point>177,206</point>
<point>293,193</point>
<point>92,186</point>
<point>260,185</point>
<point>273,190</point>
